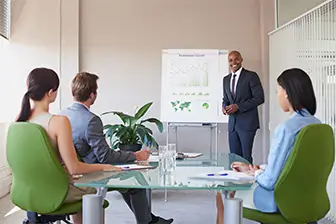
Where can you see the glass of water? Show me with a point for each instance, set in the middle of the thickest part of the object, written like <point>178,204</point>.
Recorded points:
<point>172,152</point>
<point>166,159</point>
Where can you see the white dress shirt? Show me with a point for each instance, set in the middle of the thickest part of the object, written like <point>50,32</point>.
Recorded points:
<point>237,78</point>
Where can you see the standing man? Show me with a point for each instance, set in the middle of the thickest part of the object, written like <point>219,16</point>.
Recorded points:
<point>91,146</point>
<point>242,94</point>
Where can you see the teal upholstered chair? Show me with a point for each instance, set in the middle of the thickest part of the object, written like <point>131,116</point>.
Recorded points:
<point>40,183</point>
<point>300,191</point>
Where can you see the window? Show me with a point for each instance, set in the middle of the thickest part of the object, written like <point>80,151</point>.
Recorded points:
<point>5,18</point>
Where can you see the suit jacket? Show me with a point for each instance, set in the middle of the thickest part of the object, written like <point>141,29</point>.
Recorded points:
<point>249,95</point>
<point>89,139</point>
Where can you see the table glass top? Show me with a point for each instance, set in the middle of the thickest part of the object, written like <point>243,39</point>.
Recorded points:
<point>183,177</point>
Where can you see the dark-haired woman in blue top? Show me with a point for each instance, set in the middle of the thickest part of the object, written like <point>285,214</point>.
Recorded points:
<point>296,96</point>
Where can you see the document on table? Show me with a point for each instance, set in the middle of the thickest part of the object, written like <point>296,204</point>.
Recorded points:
<point>223,175</point>
<point>134,167</point>
<point>155,158</point>
<point>192,155</point>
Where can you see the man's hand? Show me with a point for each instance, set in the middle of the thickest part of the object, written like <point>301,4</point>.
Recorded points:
<point>224,111</point>
<point>231,109</point>
<point>142,155</point>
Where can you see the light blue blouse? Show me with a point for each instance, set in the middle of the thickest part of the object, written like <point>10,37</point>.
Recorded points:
<point>281,146</point>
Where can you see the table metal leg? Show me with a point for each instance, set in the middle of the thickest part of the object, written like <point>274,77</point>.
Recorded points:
<point>166,195</point>
<point>102,192</point>
<point>93,206</point>
<point>167,142</point>
<point>149,197</point>
<point>211,152</point>
<point>233,209</point>
<point>176,139</point>
<point>92,209</point>
<point>216,141</point>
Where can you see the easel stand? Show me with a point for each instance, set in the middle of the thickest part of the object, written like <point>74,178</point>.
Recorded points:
<point>213,128</point>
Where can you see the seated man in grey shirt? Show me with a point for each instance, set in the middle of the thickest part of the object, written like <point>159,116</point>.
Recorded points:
<point>91,145</point>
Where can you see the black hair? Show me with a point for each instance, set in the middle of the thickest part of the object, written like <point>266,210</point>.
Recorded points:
<point>299,89</point>
<point>39,82</point>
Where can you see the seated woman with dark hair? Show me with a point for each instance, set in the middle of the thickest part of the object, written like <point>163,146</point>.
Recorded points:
<point>42,84</point>
<point>296,96</point>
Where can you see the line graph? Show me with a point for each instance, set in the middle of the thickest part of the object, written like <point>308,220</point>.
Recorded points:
<point>192,74</point>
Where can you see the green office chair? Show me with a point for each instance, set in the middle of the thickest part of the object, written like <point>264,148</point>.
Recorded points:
<point>300,192</point>
<point>40,183</point>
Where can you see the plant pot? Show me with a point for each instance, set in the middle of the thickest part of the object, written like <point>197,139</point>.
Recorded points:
<point>130,148</point>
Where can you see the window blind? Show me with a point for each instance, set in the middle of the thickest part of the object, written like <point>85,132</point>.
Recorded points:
<point>4,18</point>
<point>309,43</point>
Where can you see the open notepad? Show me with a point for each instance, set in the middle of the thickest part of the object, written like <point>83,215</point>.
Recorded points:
<point>155,158</point>
<point>134,167</point>
<point>223,175</point>
<point>192,155</point>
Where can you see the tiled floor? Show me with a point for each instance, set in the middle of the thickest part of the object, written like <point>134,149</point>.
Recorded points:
<point>184,206</point>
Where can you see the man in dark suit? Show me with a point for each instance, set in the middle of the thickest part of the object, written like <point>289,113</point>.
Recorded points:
<point>242,94</point>
<point>91,146</point>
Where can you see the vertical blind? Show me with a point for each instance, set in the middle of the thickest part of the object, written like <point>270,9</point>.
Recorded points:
<point>4,18</point>
<point>309,42</point>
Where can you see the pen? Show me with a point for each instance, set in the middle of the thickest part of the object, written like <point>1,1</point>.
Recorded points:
<point>212,174</point>
<point>126,167</point>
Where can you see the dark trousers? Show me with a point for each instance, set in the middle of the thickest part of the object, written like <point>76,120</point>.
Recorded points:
<point>241,143</point>
<point>137,201</point>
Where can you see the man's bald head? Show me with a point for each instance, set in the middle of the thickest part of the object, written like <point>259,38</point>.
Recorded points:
<point>235,60</point>
<point>236,53</point>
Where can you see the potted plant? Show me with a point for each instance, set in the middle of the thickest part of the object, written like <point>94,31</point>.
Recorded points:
<point>132,133</point>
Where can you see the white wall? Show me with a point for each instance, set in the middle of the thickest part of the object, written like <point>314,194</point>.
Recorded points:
<point>37,39</point>
<point>122,40</point>
<point>5,174</point>
<point>122,43</point>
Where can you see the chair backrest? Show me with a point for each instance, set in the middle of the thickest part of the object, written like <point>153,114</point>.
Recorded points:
<point>300,191</point>
<point>40,183</point>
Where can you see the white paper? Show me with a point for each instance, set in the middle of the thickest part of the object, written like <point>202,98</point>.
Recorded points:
<point>133,167</point>
<point>231,175</point>
<point>191,154</point>
<point>153,158</point>
<point>156,158</point>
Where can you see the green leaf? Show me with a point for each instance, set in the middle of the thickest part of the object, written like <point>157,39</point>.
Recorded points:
<point>142,111</point>
<point>141,133</point>
<point>155,121</point>
<point>132,135</point>
<point>155,144</point>
<point>114,144</point>
<point>144,127</point>
<point>126,119</point>
<point>132,132</point>
<point>107,126</point>
<point>113,128</point>
<point>150,141</point>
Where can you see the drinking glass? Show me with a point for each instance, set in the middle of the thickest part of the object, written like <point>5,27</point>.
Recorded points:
<point>172,152</point>
<point>166,159</point>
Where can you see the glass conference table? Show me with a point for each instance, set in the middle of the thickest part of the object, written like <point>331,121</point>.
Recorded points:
<point>184,177</point>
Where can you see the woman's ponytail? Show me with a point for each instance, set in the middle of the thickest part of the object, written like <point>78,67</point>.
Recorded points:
<point>25,109</point>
